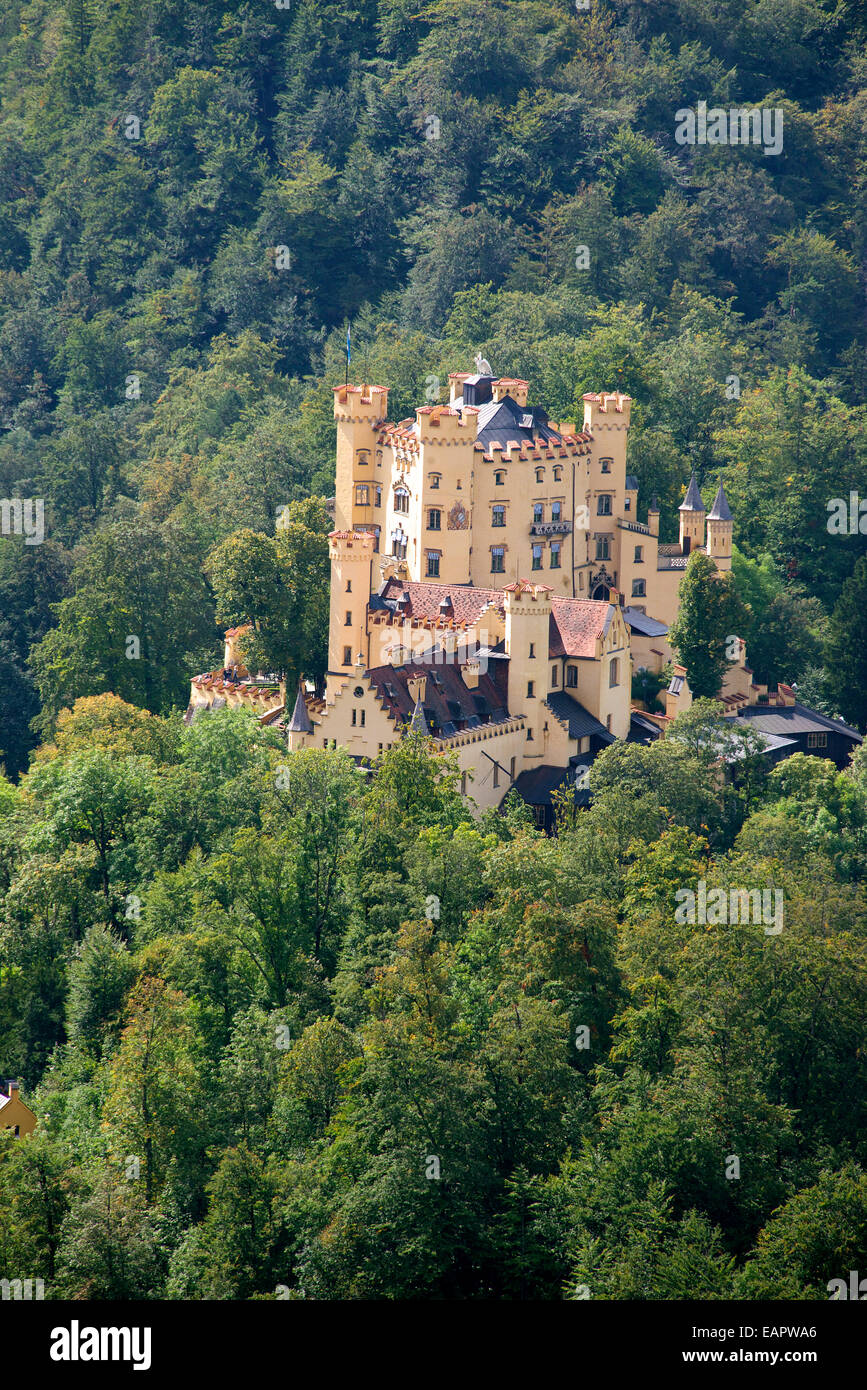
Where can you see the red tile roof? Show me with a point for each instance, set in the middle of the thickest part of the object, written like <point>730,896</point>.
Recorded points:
<point>576,623</point>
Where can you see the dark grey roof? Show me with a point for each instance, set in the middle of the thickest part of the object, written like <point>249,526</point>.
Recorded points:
<point>642,729</point>
<point>789,720</point>
<point>300,721</point>
<point>720,511</point>
<point>499,422</point>
<point>580,721</point>
<point>631,483</point>
<point>640,622</point>
<point>692,501</point>
<point>537,784</point>
<point>418,723</point>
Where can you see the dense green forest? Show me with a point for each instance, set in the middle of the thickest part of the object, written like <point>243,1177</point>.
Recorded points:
<point>325,1035</point>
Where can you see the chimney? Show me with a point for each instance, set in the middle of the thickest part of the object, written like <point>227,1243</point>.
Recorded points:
<point>13,1090</point>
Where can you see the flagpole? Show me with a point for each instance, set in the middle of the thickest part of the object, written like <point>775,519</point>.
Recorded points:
<point>348,349</point>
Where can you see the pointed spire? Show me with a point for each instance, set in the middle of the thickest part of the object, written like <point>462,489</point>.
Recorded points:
<point>300,721</point>
<point>692,501</point>
<point>418,723</point>
<point>720,510</point>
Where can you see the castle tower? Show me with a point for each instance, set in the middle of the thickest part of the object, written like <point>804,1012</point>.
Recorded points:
<point>692,516</point>
<point>438,514</point>
<point>653,515</point>
<point>358,410</point>
<point>528,619</point>
<point>351,555</point>
<point>719,531</point>
<point>299,726</point>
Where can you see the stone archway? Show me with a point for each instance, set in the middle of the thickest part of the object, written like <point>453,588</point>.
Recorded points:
<point>601,594</point>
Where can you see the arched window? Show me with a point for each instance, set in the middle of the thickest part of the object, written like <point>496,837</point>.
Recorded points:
<point>558,474</point>
<point>499,479</point>
<point>401,499</point>
<point>540,475</point>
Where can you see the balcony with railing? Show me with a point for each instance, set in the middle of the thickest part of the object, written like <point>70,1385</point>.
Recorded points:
<point>550,528</point>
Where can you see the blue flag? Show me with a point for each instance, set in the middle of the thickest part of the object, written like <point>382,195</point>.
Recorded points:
<point>348,346</point>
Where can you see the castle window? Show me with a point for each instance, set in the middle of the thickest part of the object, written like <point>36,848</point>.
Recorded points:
<point>603,505</point>
<point>627,504</point>
<point>433,564</point>
<point>434,518</point>
<point>554,677</point>
<point>603,548</point>
<point>817,740</point>
<point>463,784</point>
<point>540,475</point>
<point>349,586</point>
<point>498,516</point>
<point>362,457</point>
<point>537,557</point>
<point>538,512</point>
<point>379,458</point>
<point>555,555</point>
<point>638,588</point>
<point>401,500</point>
<point>498,559</point>
<point>363,713</point>
<point>531,689</point>
<point>347,656</point>
<point>434,479</point>
<point>606,465</point>
<point>532,650</point>
<point>558,474</point>
<point>354,717</point>
<point>512,769</point>
<point>613,671</point>
<point>377,495</point>
<point>556,511</point>
<point>362,495</point>
<point>496,774</point>
<point>572,677</point>
<point>499,479</point>
<point>639,554</point>
<point>529,735</point>
<point>608,722</point>
<point>348,622</point>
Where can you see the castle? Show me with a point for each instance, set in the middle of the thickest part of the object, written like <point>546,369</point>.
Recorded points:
<point>491,587</point>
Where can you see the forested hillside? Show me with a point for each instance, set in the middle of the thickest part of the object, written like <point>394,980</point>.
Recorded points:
<point>325,1035</point>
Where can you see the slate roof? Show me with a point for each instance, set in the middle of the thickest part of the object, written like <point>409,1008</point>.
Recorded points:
<point>501,422</point>
<point>692,501</point>
<point>631,483</point>
<point>449,705</point>
<point>300,721</point>
<point>640,622</point>
<point>791,720</point>
<point>720,511</point>
<point>580,721</point>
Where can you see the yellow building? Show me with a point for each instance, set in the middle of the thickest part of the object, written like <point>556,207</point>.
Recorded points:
<point>14,1114</point>
<point>491,585</point>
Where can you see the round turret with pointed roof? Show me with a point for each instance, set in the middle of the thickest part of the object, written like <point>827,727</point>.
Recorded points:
<point>720,510</point>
